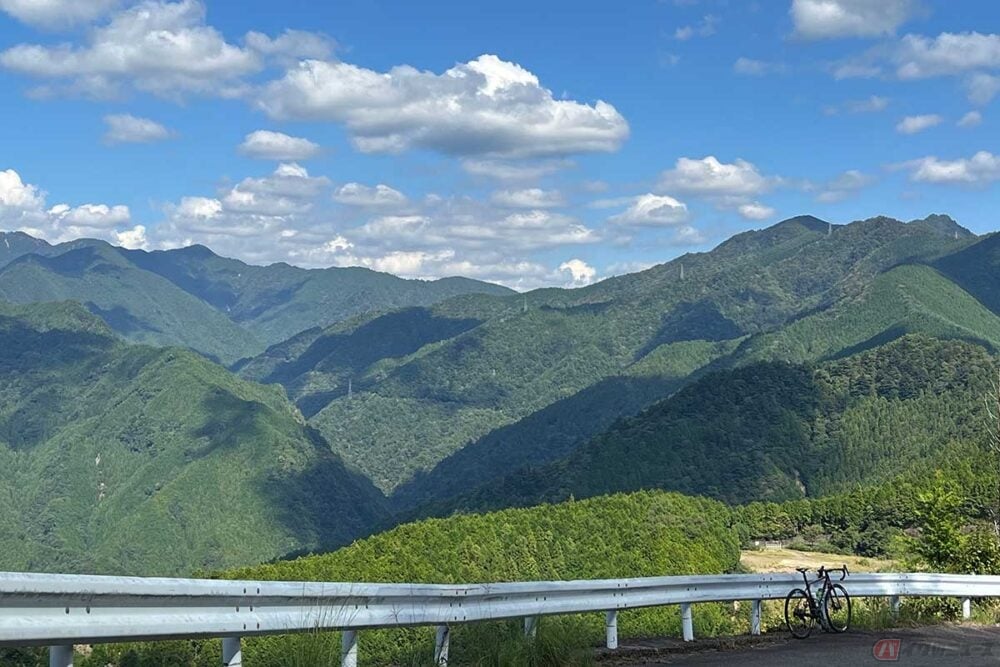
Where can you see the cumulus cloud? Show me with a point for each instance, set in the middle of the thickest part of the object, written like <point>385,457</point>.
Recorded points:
<point>285,216</point>
<point>485,107</point>
<point>755,211</point>
<point>914,124</point>
<point>57,13</point>
<point>825,19</point>
<point>981,169</point>
<point>268,145</point>
<point>356,194</point>
<point>23,207</point>
<point>651,210</point>
<point>157,46</point>
<point>128,129</point>
<point>751,67</point>
<point>918,57</point>
<point>580,272</point>
<point>710,177</point>
<point>982,88</point>
<point>971,119</point>
<point>528,198</point>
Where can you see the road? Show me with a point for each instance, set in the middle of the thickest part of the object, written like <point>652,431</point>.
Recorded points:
<point>930,646</point>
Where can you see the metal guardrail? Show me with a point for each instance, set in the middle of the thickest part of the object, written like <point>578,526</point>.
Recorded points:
<point>62,610</point>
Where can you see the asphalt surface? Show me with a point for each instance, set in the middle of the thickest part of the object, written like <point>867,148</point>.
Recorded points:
<point>917,647</point>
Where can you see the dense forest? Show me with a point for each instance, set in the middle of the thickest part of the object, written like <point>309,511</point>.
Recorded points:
<point>132,459</point>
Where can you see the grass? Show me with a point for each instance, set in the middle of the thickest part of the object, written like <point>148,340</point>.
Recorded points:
<point>786,560</point>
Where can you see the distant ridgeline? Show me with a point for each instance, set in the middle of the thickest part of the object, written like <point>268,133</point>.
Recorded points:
<point>793,362</point>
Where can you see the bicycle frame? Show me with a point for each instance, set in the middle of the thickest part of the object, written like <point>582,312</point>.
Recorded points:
<point>815,610</point>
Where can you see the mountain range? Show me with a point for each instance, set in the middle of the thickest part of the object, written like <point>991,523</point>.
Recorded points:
<point>353,400</point>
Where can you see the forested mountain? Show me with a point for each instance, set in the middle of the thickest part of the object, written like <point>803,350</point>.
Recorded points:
<point>774,431</point>
<point>193,298</point>
<point>132,459</point>
<point>502,381</point>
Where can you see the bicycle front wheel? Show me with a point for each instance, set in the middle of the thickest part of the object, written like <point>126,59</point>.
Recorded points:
<point>837,608</point>
<point>798,615</point>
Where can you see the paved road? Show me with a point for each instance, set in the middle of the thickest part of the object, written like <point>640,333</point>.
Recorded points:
<point>932,646</point>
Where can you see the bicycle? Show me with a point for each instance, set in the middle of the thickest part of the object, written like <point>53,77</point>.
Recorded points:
<point>832,608</point>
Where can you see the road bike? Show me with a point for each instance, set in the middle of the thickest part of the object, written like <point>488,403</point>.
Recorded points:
<point>831,606</point>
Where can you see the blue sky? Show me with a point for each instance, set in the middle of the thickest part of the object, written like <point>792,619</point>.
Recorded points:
<point>529,143</point>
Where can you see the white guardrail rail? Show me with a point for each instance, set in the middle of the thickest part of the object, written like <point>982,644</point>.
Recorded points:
<point>59,611</point>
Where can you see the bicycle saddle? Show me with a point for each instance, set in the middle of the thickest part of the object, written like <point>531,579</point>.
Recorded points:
<point>802,569</point>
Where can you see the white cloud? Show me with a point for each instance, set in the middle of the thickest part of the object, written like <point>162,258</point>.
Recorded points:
<point>57,13</point>
<point>356,194</point>
<point>918,57</point>
<point>580,272</point>
<point>688,235</point>
<point>873,104</point>
<point>982,88</point>
<point>128,129</point>
<point>285,217</point>
<point>756,211</point>
<point>22,207</point>
<point>507,170</point>
<point>485,107</point>
<point>914,124</point>
<point>751,67</point>
<point>528,198</point>
<point>981,169</point>
<point>705,28</point>
<point>710,177</point>
<point>856,70</point>
<point>843,186</point>
<point>651,210</point>
<point>156,46</point>
<point>268,145</point>
<point>15,194</point>
<point>133,239</point>
<point>971,119</point>
<point>824,19</point>
<point>291,45</point>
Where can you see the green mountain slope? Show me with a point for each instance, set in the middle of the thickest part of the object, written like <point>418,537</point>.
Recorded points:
<point>514,357</point>
<point>131,459</point>
<point>278,301</point>
<point>777,431</point>
<point>193,298</point>
<point>137,304</point>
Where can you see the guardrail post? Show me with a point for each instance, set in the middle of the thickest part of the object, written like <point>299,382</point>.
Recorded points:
<point>687,625</point>
<point>232,652</point>
<point>967,608</point>
<point>349,649</point>
<point>611,629</point>
<point>531,626</point>
<point>755,617</point>
<point>441,642</point>
<point>894,607</point>
<point>61,656</point>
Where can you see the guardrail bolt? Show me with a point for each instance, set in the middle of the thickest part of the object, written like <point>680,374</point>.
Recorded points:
<point>687,624</point>
<point>61,656</point>
<point>531,626</point>
<point>611,629</point>
<point>442,640</point>
<point>755,617</point>
<point>349,649</point>
<point>232,652</point>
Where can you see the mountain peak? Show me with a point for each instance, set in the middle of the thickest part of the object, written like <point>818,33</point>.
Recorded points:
<point>944,225</point>
<point>810,222</point>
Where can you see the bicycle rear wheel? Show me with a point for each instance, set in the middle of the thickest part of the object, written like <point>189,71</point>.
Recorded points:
<point>798,615</point>
<point>837,608</point>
